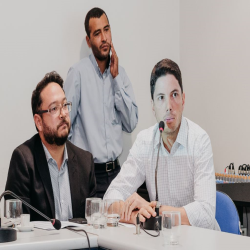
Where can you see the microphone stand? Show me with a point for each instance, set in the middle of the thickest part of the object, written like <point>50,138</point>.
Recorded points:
<point>9,234</point>
<point>154,223</point>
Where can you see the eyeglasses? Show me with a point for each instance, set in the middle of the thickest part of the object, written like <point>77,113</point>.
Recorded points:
<point>56,110</point>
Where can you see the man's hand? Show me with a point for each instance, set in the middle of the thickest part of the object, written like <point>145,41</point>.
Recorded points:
<point>114,62</point>
<point>133,217</point>
<point>135,201</point>
<point>147,211</point>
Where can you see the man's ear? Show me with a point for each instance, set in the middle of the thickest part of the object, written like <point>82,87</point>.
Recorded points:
<point>183,100</point>
<point>88,41</point>
<point>153,107</point>
<point>38,122</point>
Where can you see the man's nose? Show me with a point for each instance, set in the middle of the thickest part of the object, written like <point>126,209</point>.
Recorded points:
<point>103,36</point>
<point>63,113</point>
<point>168,105</point>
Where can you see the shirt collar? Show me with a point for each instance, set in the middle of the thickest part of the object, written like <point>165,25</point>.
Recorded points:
<point>182,134</point>
<point>49,157</point>
<point>181,137</point>
<point>95,64</point>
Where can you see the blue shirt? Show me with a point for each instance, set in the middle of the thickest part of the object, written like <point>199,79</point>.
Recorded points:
<point>102,107</point>
<point>60,185</point>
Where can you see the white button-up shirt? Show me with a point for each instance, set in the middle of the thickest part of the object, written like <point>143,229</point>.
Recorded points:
<point>185,175</point>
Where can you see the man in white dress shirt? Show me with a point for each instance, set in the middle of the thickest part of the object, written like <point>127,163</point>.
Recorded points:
<point>185,176</point>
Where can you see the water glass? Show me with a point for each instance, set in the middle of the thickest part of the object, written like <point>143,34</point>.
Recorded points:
<point>88,209</point>
<point>171,226</point>
<point>98,215</point>
<point>113,211</point>
<point>13,209</point>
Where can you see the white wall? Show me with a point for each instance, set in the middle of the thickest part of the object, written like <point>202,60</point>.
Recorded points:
<point>40,36</point>
<point>215,62</point>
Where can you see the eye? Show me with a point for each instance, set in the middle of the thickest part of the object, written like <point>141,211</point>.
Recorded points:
<point>175,94</point>
<point>53,109</point>
<point>160,98</point>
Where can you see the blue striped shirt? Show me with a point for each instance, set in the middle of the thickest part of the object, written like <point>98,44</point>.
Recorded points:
<point>60,185</point>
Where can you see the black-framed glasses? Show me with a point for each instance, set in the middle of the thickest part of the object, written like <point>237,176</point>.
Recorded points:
<point>56,109</point>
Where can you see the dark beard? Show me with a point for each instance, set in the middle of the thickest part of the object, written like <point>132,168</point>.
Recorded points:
<point>98,55</point>
<point>51,136</point>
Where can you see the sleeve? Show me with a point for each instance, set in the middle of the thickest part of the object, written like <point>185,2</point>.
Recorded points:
<point>131,176</point>
<point>125,101</point>
<point>72,88</point>
<point>201,212</point>
<point>92,180</point>
<point>18,179</point>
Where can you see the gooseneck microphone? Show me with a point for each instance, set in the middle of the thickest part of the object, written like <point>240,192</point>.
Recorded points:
<point>161,128</point>
<point>154,223</point>
<point>56,223</point>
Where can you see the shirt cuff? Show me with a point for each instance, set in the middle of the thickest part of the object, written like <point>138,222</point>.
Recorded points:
<point>199,218</point>
<point>193,214</point>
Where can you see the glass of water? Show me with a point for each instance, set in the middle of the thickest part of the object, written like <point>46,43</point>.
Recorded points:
<point>113,211</point>
<point>171,226</point>
<point>98,215</point>
<point>88,208</point>
<point>14,210</point>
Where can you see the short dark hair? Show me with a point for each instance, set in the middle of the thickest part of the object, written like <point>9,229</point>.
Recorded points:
<point>93,13</point>
<point>162,68</point>
<point>36,99</point>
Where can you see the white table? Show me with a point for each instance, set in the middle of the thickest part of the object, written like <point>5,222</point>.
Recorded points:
<point>123,238</point>
<point>55,239</point>
<point>192,238</point>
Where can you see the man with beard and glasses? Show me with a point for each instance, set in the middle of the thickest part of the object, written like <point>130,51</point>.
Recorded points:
<point>47,171</point>
<point>185,176</point>
<point>103,101</point>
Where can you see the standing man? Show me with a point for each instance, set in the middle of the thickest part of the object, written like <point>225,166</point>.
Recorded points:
<point>103,103</point>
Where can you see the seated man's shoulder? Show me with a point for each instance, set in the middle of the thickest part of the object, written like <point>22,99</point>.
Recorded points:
<point>146,136</point>
<point>27,148</point>
<point>196,132</point>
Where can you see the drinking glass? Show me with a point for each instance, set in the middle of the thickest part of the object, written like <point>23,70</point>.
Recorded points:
<point>113,211</point>
<point>88,209</point>
<point>171,226</point>
<point>14,210</point>
<point>98,215</point>
<point>25,220</point>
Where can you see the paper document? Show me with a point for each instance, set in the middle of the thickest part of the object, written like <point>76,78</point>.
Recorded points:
<point>48,225</point>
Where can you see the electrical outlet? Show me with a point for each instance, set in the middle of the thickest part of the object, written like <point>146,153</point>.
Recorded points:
<point>244,231</point>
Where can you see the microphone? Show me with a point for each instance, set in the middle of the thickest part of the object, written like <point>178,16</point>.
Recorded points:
<point>154,223</point>
<point>56,223</point>
<point>161,128</point>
